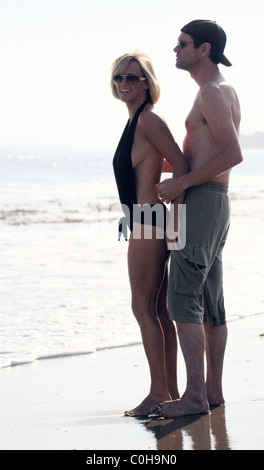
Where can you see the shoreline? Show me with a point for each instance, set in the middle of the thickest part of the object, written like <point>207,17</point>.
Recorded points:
<point>42,252</point>
<point>65,355</point>
<point>78,402</point>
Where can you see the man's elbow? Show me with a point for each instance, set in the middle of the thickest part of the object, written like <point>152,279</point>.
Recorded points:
<point>238,158</point>
<point>236,155</point>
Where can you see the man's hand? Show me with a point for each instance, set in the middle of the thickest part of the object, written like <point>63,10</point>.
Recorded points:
<point>170,189</point>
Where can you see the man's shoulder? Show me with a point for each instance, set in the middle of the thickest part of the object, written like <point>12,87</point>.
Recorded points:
<point>216,94</point>
<point>216,89</point>
<point>209,88</point>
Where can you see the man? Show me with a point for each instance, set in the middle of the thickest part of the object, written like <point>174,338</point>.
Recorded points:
<point>211,149</point>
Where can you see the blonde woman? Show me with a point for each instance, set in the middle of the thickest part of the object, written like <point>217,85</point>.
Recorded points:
<point>138,164</point>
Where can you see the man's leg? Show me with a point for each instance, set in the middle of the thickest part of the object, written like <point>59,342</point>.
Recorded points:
<point>215,330</point>
<point>216,338</point>
<point>194,400</point>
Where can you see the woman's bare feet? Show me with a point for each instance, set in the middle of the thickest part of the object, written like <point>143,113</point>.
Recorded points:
<point>215,400</point>
<point>144,409</point>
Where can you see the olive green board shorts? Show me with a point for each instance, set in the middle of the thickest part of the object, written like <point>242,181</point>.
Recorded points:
<point>195,290</point>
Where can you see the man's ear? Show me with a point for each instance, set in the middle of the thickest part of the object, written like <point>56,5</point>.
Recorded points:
<point>206,48</point>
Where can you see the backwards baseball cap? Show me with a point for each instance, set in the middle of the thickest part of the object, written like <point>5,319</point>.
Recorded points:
<point>209,31</point>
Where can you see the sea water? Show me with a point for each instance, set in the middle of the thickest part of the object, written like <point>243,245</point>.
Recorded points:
<point>64,286</point>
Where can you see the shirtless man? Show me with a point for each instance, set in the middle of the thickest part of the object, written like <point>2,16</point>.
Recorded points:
<point>211,149</point>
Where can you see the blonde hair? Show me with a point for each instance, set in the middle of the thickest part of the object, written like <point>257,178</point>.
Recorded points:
<point>120,65</point>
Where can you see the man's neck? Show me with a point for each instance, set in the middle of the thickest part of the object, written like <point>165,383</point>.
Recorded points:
<point>208,73</point>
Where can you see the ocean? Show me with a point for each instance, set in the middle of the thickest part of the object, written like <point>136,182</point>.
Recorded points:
<point>64,285</point>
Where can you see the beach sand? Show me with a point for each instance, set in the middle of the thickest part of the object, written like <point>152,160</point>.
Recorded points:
<point>78,402</point>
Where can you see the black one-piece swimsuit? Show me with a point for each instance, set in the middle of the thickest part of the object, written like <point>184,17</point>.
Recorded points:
<point>125,178</point>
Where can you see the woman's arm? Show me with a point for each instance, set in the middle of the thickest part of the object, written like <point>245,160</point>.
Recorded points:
<point>167,167</point>
<point>159,135</point>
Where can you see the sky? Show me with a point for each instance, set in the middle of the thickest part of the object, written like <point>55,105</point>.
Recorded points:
<point>56,57</point>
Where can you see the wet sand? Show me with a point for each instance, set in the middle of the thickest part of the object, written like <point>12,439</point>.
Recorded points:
<point>78,402</point>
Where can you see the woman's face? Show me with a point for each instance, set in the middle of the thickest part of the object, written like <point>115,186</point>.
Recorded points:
<point>132,92</point>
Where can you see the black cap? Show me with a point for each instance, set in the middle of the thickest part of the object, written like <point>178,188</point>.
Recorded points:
<point>209,31</point>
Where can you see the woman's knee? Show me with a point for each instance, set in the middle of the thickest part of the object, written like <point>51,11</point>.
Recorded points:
<point>144,308</point>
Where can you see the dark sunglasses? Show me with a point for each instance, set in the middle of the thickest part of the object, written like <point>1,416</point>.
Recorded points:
<point>182,44</point>
<point>130,78</point>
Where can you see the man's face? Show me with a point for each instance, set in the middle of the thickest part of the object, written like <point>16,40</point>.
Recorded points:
<point>186,55</point>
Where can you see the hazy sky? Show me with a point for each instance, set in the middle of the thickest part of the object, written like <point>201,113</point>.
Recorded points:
<point>56,57</point>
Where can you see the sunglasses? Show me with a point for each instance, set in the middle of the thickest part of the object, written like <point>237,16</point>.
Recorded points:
<point>182,44</point>
<point>130,78</point>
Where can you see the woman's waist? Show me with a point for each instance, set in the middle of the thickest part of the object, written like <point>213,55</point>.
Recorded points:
<point>147,195</point>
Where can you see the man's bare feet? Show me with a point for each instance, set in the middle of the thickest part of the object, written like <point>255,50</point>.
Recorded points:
<point>178,408</point>
<point>144,409</point>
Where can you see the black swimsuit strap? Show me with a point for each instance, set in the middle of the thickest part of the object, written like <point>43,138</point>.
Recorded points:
<point>136,116</point>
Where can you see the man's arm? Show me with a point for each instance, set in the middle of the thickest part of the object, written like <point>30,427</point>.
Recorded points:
<point>217,111</point>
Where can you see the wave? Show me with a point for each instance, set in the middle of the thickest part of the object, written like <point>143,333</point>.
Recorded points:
<point>101,210</point>
<point>56,212</point>
<point>62,355</point>
<point>68,354</point>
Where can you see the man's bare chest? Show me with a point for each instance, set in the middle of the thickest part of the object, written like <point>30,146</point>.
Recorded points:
<point>195,120</point>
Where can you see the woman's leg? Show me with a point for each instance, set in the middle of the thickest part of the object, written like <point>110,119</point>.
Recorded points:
<point>146,264</point>
<point>170,339</point>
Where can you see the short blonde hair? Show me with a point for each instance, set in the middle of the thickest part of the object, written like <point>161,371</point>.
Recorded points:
<point>120,65</point>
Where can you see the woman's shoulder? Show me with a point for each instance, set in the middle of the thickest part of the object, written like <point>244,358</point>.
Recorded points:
<point>150,117</point>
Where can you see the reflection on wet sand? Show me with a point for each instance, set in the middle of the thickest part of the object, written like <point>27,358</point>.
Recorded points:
<point>192,432</point>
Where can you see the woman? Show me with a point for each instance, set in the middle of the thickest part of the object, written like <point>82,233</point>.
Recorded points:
<point>138,163</point>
